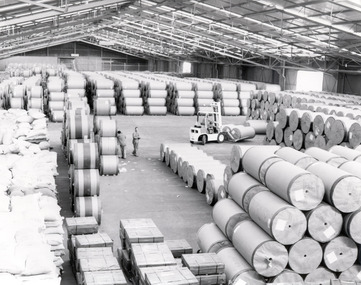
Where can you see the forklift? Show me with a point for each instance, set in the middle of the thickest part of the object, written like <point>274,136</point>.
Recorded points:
<point>208,127</point>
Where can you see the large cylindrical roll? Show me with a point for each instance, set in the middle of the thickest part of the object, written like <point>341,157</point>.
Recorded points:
<point>257,160</point>
<point>285,223</point>
<point>320,276</point>
<point>307,121</point>
<point>104,93</point>
<point>109,165</point>
<point>211,239</point>
<point>36,92</point>
<point>352,226</point>
<point>57,96</point>
<point>267,256</point>
<point>103,108</point>
<point>211,188</point>
<point>108,128</point>
<point>70,147</point>
<point>108,145</point>
<point>129,93</point>
<point>324,223</point>
<point>342,189</point>
<point>340,254</point>
<point>240,132</point>
<point>157,110</point>
<point>287,277</point>
<point>236,111</point>
<point>237,270</point>
<point>348,153</point>
<point>97,120</point>
<point>299,187</point>
<point>352,167</point>
<point>86,156</point>
<point>86,182</point>
<point>295,157</point>
<point>242,187</point>
<point>259,126</point>
<point>305,256</point>
<point>79,127</point>
<point>226,214</point>
<point>185,111</point>
<point>210,168</point>
<point>351,275</point>
<point>35,103</point>
<point>325,156</point>
<point>88,207</point>
<point>57,116</point>
<point>162,94</point>
<point>134,110</point>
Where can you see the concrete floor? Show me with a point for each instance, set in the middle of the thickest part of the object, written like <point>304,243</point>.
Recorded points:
<point>146,187</point>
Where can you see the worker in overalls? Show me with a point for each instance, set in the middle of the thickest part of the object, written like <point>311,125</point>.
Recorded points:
<point>136,139</point>
<point>122,144</point>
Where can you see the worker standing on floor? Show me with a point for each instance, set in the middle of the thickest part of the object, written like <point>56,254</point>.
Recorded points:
<point>136,139</point>
<point>122,144</point>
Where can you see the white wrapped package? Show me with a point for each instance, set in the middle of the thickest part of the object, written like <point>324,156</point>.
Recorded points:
<point>29,202</point>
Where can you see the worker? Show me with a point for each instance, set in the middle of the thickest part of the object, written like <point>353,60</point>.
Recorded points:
<point>210,125</point>
<point>122,144</point>
<point>136,139</point>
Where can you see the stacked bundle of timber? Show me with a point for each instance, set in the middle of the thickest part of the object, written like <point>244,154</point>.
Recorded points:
<point>227,93</point>
<point>204,95</point>
<point>91,254</point>
<point>181,101</point>
<point>55,98</point>
<point>245,90</point>
<point>207,267</point>
<point>196,168</point>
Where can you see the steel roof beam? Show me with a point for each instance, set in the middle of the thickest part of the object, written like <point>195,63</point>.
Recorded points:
<point>61,10</point>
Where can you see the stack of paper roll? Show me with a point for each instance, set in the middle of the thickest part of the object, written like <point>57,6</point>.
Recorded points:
<point>55,98</point>
<point>245,90</point>
<point>228,95</point>
<point>130,100</point>
<point>182,99</point>
<point>155,100</point>
<point>204,96</point>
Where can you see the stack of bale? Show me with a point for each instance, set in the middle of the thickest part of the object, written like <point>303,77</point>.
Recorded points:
<point>181,99</point>
<point>91,253</point>
<point>320,237</point>
<point>146,258</point>
<point>227,93</point>
<point>195,167</point>
<point>204,96</point>
<point>29,210</point>
<point>55,98</point>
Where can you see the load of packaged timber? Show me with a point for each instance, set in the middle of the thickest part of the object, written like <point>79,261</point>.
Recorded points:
<point>31,233</point>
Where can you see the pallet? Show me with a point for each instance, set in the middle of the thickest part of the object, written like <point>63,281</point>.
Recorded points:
<point>179,247</point>
<point>93,240</point>
<point>203,263</point>
<point>179,276</point>
<point>113,277</point>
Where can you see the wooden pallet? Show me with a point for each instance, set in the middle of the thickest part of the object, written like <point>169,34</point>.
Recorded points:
<point>179,276</point>
<point>203,263</point>
<point>113,277</point>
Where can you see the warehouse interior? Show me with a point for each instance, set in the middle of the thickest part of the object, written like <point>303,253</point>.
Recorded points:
<point>248,169</point>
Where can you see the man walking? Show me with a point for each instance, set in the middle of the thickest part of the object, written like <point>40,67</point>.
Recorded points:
<point>136,139</point>
<point>122,143</point>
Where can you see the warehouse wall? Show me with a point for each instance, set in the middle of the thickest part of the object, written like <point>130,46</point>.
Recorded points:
<point>260,74</point>
<point>349,83</point>
<point>98,58</point>
<point>29,59</point>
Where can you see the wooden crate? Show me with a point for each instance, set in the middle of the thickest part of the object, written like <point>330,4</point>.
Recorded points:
<point>144,270</point>
<point>213,279</point>
<point>104,263</point>
<point>179,247</point>
<point>81,225</point>
<point>203,263</point>
<point>91,253</point>
<point>113,277</point>
<point>93,240</point>
<point>151,254</point>
<point>178,276</point>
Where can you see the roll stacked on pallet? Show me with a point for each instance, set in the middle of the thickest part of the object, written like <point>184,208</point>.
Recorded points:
<point>245,90</point>
<point>33,97</point>
<point>55,98</point>
<point>228,94</point>
<point>155,100</point>
<point>204,95</point>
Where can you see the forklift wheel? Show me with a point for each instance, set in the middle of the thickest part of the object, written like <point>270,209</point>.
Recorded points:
<point>221,137</point>
<point>204,139</point>
<point>192,142</point>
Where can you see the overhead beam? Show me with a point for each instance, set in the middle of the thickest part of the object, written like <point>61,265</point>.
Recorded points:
<point>61,10</point>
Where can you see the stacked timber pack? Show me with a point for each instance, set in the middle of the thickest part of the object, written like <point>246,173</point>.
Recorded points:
<point>297,228</point>
<point>91,254</point>
<point>303,120</point>
<point>146,258</point>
